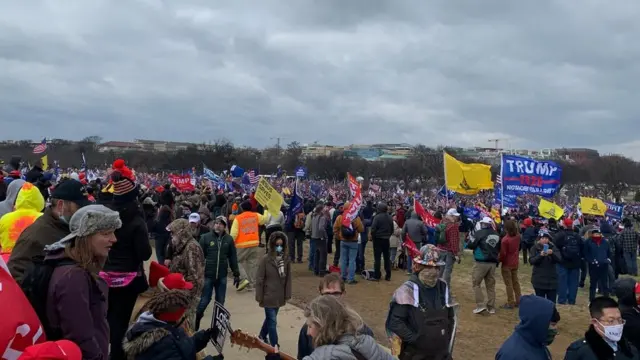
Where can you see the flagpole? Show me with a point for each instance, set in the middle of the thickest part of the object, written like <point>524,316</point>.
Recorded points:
<point>501,185</point>
<point>444,164</point>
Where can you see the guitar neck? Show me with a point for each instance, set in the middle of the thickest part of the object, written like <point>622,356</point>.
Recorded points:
<point>270,350</point>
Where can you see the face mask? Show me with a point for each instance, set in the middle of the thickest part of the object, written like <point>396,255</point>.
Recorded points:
<point>428,276</point>
<point>612,332</point>
<point>279,248</point>
<point>551,335</point>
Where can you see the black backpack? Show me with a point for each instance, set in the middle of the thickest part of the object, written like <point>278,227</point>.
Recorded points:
<point>571,249</point>
<point>347,233</point>
<point>35,286</point>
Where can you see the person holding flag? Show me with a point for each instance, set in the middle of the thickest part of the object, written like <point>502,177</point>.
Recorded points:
<point>294,225</point>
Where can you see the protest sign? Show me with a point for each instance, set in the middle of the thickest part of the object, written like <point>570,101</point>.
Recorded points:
<point>221,320</point>
<point>269,197</point>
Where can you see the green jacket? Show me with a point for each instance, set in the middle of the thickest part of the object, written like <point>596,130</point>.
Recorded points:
<point>219,253</point>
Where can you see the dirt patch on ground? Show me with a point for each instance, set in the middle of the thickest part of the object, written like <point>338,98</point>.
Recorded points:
<point>479,336</point>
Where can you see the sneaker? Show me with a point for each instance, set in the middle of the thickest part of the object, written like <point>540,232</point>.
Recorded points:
<point>243,284</point>
<point>492,311</point>
<point>479,310</point>
<point>507,307</point>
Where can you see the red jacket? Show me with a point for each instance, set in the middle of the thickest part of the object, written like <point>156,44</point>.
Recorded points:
<point>510,251</point>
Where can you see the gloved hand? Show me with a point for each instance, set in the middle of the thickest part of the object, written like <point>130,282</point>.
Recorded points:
<point>212,332</point>
<point>236,281</point>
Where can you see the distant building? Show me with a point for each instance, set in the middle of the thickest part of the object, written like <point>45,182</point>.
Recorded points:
<point>315,150</point>
<point>578,155</point>
<point>163,146</point>
<point>119,146</point>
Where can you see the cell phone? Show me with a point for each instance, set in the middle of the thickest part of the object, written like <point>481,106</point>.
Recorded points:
<point>545,247</point>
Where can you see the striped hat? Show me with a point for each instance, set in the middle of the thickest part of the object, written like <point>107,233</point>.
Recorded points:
<point>124,183</point>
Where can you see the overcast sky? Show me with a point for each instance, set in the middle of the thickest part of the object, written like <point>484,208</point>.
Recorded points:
<point>541,73</point>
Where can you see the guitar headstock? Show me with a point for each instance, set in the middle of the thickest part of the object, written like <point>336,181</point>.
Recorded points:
<point>247,341</point>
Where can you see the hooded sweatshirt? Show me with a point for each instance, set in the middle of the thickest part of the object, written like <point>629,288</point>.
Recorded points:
<point>13,189</point>
<point>528,341</point>
<point>28,206</point>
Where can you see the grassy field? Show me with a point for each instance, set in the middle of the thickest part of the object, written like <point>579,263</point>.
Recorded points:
<point>479,336</point>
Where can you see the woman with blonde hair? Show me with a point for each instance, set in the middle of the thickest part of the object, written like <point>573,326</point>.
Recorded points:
<point>76,298</point>
<point>334,329</point>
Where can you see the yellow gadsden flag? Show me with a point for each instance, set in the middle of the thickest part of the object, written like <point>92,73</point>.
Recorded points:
<point>45,162</point>
<point>592,206</point>
<point>549,210</point>
<point>466,179</point>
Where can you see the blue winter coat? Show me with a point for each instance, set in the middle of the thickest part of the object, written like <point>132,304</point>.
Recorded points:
<point>528,341</point>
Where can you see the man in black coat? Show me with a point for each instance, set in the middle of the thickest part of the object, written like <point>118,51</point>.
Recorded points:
<point>603,340</point>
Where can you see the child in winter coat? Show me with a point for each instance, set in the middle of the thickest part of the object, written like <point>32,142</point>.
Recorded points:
<point>157,334</point>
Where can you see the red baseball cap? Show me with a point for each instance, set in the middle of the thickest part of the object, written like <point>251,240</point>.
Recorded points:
<point>52,350</point>
<point>175,281</point>
<point>568,223</point>
<point>157,272</point>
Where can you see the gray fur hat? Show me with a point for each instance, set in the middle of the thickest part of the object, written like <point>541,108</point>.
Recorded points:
<point>86,221</point>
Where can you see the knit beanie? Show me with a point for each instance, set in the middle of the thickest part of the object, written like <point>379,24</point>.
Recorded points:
<point>124,183</point>
<point>169,306</point>
<point>246,206</point>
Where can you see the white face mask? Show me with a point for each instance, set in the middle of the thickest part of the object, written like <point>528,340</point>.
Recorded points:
<point>612,332</point>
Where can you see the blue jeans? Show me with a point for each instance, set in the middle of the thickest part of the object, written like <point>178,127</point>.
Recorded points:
<point>269,331</point>
<point>361,248</point>
<point>598,278</point>
<point>211,285</point>
<point>632,262</point>
<point>348,251</point>
<point>393,252</point>
<point>567,284</point>
<point>447,269</point>
<point>161,248</point>
<point>312,253</point>
<point>409,261</point>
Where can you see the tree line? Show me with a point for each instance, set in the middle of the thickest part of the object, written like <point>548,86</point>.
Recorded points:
<point>609,175</point>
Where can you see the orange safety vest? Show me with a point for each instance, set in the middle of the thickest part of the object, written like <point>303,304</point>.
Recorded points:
<point>248,232</point>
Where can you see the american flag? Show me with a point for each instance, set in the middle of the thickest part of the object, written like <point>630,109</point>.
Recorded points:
<point>253,178</point>
<point>40,148</point>
<point>333,194</point>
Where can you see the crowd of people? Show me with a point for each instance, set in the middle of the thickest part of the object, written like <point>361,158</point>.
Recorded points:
<point>77,256</point>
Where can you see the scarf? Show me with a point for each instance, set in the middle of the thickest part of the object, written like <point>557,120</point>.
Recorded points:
<point>280,265</point>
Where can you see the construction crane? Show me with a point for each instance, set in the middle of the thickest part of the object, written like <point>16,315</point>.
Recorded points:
<point>277,144</point>
<point>497,141</point>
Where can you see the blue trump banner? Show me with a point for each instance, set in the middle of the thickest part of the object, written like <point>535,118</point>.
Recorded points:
<point>509,199</point>
<point>614,211</point>
<point>521,175</point>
